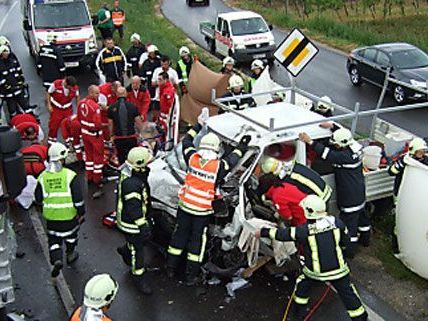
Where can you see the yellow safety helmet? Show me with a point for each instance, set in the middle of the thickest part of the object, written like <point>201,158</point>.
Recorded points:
<point>314,207</point>
<point>210,142</point>
<point>235,81</point>
<point>139,157</point>
<point>417,144</point>
<point>342,137</point>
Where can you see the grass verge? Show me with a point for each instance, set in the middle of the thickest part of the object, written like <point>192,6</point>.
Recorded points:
<point>144,18</point>
<point>346,33</point>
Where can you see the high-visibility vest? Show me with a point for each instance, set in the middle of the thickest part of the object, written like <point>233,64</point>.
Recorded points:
<point>123,222</point>
<point>118,17</point>
<point>199,190</point>
<point>183,67</point>
<point>57,200</point>
<point>76,316</point>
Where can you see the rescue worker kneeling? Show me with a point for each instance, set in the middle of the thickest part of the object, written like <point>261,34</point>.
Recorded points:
<point>100,292</point>
<point>63,206</point>
<point>133,205</point>
<point>196,198</point>
<point>322,238</point>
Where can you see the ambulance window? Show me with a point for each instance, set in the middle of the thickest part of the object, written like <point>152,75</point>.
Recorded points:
<point>219,24</point>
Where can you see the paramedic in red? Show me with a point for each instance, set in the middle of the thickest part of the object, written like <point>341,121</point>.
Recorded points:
<point>35,157</point>
<point>108,96</point>
<point>285,197</point>
<point>28,127</point>
<point>71,133</point>
<point>166,100</point>
<point>139,95</point>
<point>59,98</point>
<point>89,115</point>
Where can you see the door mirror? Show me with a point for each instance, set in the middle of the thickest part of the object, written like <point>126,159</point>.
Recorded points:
<point>270,27</point>
<point>26,25</point>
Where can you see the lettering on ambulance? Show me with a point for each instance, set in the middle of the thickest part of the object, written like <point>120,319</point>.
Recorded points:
<point>225,40</point>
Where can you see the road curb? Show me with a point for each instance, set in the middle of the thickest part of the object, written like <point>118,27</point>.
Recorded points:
<point>60,283</point>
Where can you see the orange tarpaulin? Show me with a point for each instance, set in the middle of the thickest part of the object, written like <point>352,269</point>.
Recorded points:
<point>201,81</point>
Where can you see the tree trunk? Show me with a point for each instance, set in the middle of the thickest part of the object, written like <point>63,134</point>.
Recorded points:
<point>338,14</point>
<point>286,7</point>
<point>296,4</point>
<point>345,8</point>
<point>372,11</point>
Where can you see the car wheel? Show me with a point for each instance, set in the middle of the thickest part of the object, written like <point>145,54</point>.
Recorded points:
<point>355,77</point>
<point>189,3</point>
<point>399,95</point>
<point>208,2</point>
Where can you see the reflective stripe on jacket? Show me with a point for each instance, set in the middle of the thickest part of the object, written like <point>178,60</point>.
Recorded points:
<point>183,69</point>
<point>58,97</point>
<point>198,192</point>
<point>57,199</point>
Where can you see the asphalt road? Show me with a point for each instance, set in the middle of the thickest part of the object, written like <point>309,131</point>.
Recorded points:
<point>265,299</point>
<point>325,75</point>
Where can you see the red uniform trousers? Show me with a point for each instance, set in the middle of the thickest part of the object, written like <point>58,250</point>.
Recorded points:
<point>57,115</point>
<point>71,133</point>
<point>93,144</point>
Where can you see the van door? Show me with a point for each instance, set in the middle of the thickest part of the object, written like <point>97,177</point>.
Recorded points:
<point>222,37</point>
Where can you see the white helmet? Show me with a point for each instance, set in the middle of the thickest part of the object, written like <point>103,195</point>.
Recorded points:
<point>257,64</point>
<point>139,157</point>
<point>314,207</point>
<point>100,291</point>
<point>417,144</point>
<point>51,37</point>
<point>4,41</point>
<point>325,104</point>
<point>235,81</point>
<point>57,151</point>
<point>271,165</point>
<point>184,51</point>
<point>135,36</point>
<point>210,142</point>
<point>342,137</point>
<point>228,61</point>
<point>4,48</point>
<point>152,48</point>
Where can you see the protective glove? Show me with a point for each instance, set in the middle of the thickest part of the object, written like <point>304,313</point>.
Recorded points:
<point>204,116</point>
<point>243,143</point>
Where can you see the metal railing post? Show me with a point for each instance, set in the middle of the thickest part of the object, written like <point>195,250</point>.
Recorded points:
<point>355,119</point>
<point>380,101</point>
<point>293,90</point>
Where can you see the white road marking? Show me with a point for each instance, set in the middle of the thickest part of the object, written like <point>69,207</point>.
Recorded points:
<point>61,284</point>
<point>373,316</point>
<point>7,14</point>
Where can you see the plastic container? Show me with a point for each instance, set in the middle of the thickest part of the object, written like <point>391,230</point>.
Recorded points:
<point>372,156</point>
<point>395,142</point>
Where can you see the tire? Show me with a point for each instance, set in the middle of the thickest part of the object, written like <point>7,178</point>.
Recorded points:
<point>354,76</point>
<point>207,3</point>
<point>399,95</point>
<point>189,3</point>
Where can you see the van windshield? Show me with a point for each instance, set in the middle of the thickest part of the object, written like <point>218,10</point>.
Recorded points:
<point>60,15</point>
<point>248,26</point>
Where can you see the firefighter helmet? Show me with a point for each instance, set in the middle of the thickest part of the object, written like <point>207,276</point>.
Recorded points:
<point>235,81</point>
<point>184,51</point>
<point>325,104</point>
<point>271,165</point>
<point>135,36</point>
<point>139,157</point>
<point>4,41</point>
<point>228,61</point>
<point>57,151</point>
<point>152,48</point>
<point>342,137</point>
<point>4,48</point>
<point>210,142</point>
<point>257,64</point>
<point>417,144</point>
<point>100,291</point>
<point>314,207</point>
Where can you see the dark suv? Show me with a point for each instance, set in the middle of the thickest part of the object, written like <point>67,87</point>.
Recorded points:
<point>408,64</point>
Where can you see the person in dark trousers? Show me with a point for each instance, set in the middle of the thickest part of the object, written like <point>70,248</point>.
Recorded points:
<point>63,207</point>
<point>123,118</point>
<point>198,197</point>
<point>12,89</point>
<point>236,89</point>
<point>133,208</point>
<point>417,150</point>
<point>184,66</point>
<point>345,154</point>
<point>111,62</point>
<point>50,63</point>
<point>322,238</point>
<point>148,63</point>
<point>105,23</point>
<point>134,53</point>
<point>118,18</point>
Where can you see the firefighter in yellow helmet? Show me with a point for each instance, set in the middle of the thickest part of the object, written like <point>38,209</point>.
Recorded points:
<point>198,197</point>
<point>322,238</point>
<point>133,207</point>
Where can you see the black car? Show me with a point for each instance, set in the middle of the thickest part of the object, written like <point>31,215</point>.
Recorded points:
<point>408,64</point>
<point>192,3</point>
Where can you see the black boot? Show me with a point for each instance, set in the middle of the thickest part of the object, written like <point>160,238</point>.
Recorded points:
<point>124,253</point>
<point>72,257</point>
<point>57,267</point>
<point>142,284</point>
<point>364,239</point>
<point>170,272</point>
